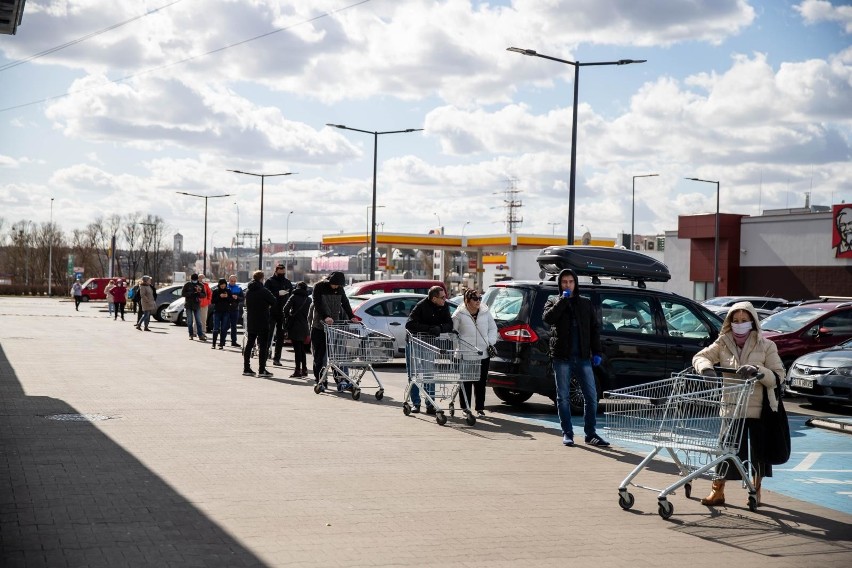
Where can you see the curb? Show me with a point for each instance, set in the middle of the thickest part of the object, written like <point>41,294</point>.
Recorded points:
<point>830,424</point>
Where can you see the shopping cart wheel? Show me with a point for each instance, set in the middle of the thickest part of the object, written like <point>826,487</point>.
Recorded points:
<point>356,393</point>
<point>687,490</point>
<point>406,408</point>
<point>625,500</point>
<point>665,509</point>
<point>470,418</point>
<point>318,388</point>
<point>441,418</point>
<point>752,503</point>
<point>380,394</point>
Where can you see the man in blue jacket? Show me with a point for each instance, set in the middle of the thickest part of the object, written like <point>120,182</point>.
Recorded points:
<point>234,307</point>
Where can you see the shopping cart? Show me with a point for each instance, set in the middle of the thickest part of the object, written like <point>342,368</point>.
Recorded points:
<point>697,419</point>
<point>352,349</point>
<point>445,361</point>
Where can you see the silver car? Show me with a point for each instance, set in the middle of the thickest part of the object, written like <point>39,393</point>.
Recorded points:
<point>823,376</point>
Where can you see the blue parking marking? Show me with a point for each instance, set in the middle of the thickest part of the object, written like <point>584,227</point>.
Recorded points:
<point>819,470</point>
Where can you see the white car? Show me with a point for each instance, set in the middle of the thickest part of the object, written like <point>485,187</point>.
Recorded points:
<point>176,311</point>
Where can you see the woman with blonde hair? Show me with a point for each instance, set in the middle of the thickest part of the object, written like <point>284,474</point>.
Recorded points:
<point>741,346</point>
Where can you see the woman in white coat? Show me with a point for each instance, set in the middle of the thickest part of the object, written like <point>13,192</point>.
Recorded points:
<point>476,326</point>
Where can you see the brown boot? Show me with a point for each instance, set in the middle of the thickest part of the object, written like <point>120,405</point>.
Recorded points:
<point>717,495</point>
<point>757,482</point>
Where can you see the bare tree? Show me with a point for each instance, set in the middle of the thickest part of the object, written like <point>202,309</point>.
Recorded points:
<point>131,231</point>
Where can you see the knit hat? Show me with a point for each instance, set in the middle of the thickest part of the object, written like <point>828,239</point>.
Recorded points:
<point>222,281</point>
<point>337,278</point>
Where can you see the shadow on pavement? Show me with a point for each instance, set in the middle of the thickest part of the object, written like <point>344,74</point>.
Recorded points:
<point>70,496</point>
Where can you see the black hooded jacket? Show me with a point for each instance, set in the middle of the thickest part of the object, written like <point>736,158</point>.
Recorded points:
<point>258,302</point>
<point>276,284</point>
<point>428,317</point>
<point>560,314</point>
<point>330,302</point>
<point>296,312</point>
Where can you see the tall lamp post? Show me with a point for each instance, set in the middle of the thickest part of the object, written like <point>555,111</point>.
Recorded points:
<point>205,198</point>
<point>633,207</point>
<point>368,226</point>
<point>376,135</point>
<point>260,238</point>
<point>50,254</point>
<point>573,175</point>
<point>287,239</point>
<point>553,225</point>
<point>716,240</point>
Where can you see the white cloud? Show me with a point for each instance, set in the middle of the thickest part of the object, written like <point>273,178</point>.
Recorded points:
<point>815,11</point>
<point>8,162</point>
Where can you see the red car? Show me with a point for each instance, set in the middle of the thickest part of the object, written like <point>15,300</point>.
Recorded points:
<point>809,327</point>
<point>93,288</point>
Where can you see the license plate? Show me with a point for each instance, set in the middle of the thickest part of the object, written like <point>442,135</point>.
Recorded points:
<point>802,383</point>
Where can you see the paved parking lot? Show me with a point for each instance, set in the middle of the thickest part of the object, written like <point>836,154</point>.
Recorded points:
<point>184,462</point>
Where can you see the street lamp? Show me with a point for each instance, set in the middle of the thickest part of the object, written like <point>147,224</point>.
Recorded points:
<point>573,175</point>
<point>466,223</point>
<point>375,134</point>
<point>553,225</point>
<point>260,237</point>
<point>50,254</point>
<point>205,198</point>
<point>716,241</point>
<point>368,229</point>
<point>438,217</point>
<point>633,206</point>
<point>287,240</point>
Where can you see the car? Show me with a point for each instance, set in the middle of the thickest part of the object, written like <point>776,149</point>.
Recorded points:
<point>165,296</point>
<point>388,286</point>
<point>762,313</point>
<point>645,334</point>
<point>176,311</point>
<point>94,289</point>
<point>386,313</point>
<point>823,377</point>
<point>808,327</point>
<point>763,302</point>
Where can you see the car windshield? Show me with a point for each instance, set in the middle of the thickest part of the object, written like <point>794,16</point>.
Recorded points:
<point>355,301</point>
<point>720,301</point>
<point>504,303</point>
<point>791,319</point>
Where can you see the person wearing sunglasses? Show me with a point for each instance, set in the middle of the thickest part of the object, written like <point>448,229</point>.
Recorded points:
<point>476,326</point>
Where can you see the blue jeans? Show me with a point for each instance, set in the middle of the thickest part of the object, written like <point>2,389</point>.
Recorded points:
<point>110,307</point>
<point>415,391</point>
<point>146,317</point>
<point>220,324</point>
<point>194,316</point>
<point>233,318</point>
<point>582,369</point>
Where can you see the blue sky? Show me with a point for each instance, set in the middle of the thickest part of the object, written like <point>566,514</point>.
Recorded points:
<point>756,94</point>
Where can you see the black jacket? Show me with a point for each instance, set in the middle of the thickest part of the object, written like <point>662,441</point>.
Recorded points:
<point>258,302</point>
<point>560,313</point>
<point>330,303</point>
<point>428,317</point>
<point>276,284</point>
<point>193,292</point>
<point>221,305</point>
<point>296,312</point>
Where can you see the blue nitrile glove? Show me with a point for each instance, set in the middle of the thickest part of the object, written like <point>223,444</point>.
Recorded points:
<point>596,360</point>
<point>566,293</point>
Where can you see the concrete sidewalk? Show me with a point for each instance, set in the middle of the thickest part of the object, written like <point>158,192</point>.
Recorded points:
<point>184,462</point>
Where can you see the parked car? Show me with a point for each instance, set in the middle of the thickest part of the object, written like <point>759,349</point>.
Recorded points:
<point>763,302</point>
<point>176,311</point>
<point>165,297</point>
<point>645,336</point>
<point>386,313</point>
<point>388,286</point>
<point>762,313</point>
<point>808,327</point>
<point>824,376</point>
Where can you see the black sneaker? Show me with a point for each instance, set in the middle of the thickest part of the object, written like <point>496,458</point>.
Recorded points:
<point>276,362</point>
<point>597,441</point>
<point>264,373</point>
<point>248,373</point>
<point>431,410</point>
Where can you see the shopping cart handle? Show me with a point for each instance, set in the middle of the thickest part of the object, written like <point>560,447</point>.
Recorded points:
<point>732,371</point>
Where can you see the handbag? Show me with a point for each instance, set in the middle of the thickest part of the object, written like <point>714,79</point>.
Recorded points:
<point>491,350</point>
<point>776,430</point>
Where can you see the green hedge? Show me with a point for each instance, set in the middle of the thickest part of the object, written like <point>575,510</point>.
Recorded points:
<point>31,290</point>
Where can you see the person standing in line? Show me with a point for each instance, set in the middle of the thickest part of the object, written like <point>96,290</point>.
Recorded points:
<point>147,302</point>
<point>740,346</point>
<point>204,301</point>
<point>330,304</point>
<point>221,302</point>
<point>298,328</point>
<point>77,292</point>
<point>475,325</point>
<point>281,288</point>
<point>109,297</point>
<point>575,346</point>
<point>236,297</point>
<point>192,292</point>
<point>133,296</point>
<point>259,300</point>
<point>430,316</point>
<point>119,295</point>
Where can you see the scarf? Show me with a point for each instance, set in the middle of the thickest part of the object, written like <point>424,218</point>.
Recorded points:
<point>741,339</point>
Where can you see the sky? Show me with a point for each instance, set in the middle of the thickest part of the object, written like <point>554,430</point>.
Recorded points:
<point>114,106</point>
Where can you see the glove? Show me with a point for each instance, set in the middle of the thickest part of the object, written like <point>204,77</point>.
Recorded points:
<point>710,372</point>
<point>566,293</point>
<point>596,360</point>
<point>747,371</point>
<point>435,330</point>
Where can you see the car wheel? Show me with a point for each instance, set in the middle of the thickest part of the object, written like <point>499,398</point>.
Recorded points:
<point>84,298</point>
<point>578,403</point>
<point>510,396</point>
<point>161,313</point>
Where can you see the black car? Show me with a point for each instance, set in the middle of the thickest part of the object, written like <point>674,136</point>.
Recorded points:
<point>645,336</point>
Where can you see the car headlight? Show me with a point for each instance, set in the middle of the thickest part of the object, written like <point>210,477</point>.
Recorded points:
<point>845,371</point>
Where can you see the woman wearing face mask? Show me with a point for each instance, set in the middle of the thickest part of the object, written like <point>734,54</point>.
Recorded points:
<point>740,346</point>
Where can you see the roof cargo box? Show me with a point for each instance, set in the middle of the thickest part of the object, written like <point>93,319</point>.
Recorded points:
<point>608,262</point>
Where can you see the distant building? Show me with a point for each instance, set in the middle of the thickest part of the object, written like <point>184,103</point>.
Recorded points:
<point>11,14</point>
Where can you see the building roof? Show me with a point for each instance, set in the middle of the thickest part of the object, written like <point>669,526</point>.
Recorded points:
<point>11,13</point>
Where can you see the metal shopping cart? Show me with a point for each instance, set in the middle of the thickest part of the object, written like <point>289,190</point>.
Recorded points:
<point>698,420</point>
<point>352,349</point>
<point>445,361</point>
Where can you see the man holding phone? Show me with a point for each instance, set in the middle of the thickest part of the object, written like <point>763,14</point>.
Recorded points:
<point>280,287</point>
<point>575,347</point>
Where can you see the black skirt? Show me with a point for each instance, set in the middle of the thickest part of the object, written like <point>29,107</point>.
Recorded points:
<point>751,448</point>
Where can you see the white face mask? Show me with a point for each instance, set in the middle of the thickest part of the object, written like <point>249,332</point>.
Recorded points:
<point>741,328</point>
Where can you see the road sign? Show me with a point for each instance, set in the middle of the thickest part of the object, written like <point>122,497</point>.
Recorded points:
<point>471,264</point>
<point>383,262</point>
